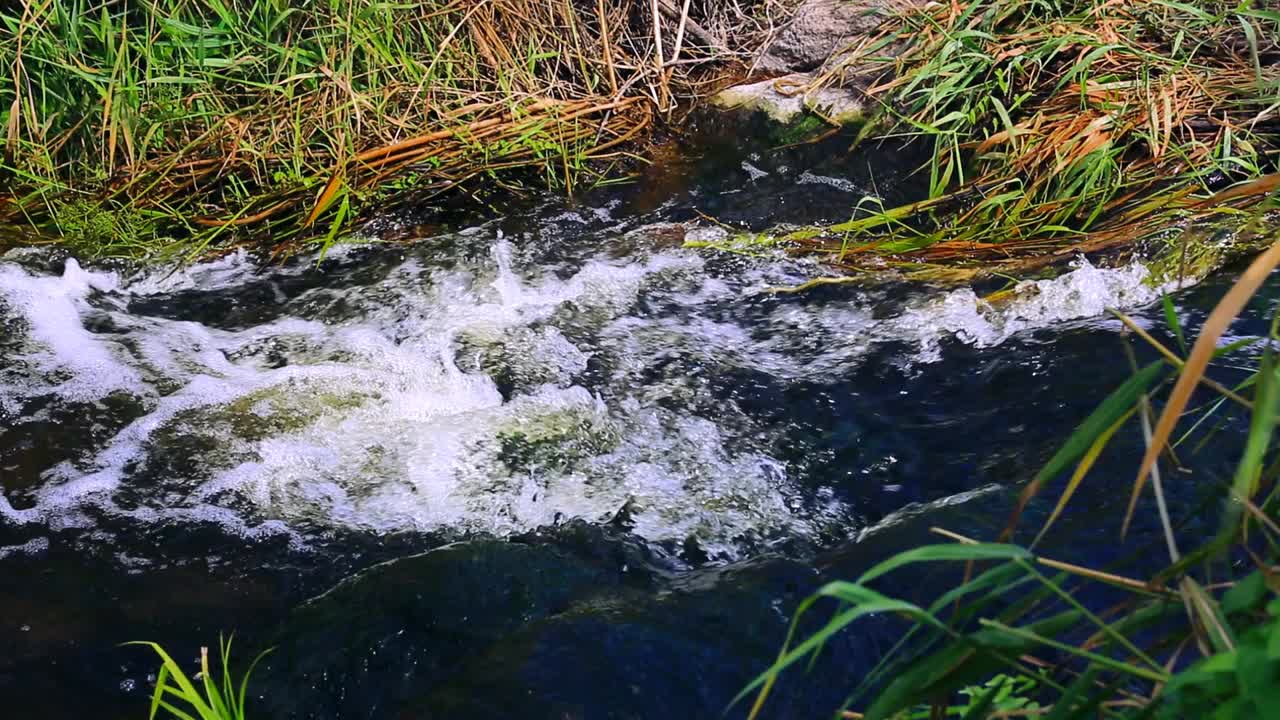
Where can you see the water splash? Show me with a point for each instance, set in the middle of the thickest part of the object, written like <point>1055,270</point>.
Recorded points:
<point>479,396</point>
<point>65,358</point>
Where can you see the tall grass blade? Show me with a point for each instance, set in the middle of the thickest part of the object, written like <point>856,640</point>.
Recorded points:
<point>1086,464</point>
<point>1171,319</point>
<point>1198,361</point>
<point>1116,405</point>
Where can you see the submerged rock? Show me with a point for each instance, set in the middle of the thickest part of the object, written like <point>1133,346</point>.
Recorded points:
<point>378,639</point>
<point>586,621</point>
<point>1185,256</point>
<point>591,626</point>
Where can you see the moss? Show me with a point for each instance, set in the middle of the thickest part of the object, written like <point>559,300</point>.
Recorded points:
<point>804,127</point>
<point>98,229</point>
<point>257,416</point>
<point>1196,251</point>
<point>277,410</point>
<point>557,439</point>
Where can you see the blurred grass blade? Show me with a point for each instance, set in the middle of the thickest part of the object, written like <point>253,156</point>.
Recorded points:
<point>1086,463</point>
<point>864,601</point>
<point>1134,670</point>
<point>1261,429</point>
<point>1171,319</point>
<point>1198,361</point>
<point>1209,615</point>
<point>947,552</point>
<point>981,709</point>
<point>1120,402</point>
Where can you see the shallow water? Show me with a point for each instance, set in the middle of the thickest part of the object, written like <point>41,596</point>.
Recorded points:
<point>192,451</point>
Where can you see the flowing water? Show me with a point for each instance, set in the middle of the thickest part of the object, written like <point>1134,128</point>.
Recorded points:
<point>191,451</point>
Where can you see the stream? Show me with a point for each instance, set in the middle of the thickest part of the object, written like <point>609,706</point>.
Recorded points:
<point>540,462</point>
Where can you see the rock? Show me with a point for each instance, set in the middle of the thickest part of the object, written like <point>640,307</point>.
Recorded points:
<point>378,639</point>
<point>785,101</point>
<point>681,653</point>
<point>582,621</point>
<point>823,28</point>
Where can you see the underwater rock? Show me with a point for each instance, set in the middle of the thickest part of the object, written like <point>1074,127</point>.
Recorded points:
<point>593,626</point>
<point>586,621</point>
<point>365,647</point>
<point>682,652</point>
<point>1186,255</point>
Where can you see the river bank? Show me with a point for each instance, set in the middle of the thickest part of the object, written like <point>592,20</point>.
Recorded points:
<point>1041,133</point>
<point>183,129</point>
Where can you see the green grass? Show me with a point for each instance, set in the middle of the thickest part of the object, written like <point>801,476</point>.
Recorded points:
<point>1198,639</point>
<point>201,697</point>
<point>205,123</point>
<point>1061,126</point>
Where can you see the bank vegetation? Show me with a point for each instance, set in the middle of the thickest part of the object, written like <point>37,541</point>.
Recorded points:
<point>168,127</point>
<point>1058,127</point>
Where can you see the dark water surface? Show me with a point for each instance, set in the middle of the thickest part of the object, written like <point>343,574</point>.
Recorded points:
<point>549,465</point>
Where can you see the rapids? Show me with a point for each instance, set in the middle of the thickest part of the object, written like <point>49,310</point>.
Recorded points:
<point>489,394</point>
<point>537,460</point>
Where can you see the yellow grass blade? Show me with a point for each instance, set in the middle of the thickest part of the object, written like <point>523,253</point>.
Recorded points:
<point>326,199</point>
<point>1086,463</point>
<point>1221,317</point>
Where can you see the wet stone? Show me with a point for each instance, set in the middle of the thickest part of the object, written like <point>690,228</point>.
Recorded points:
<point>583,621</point>
<point>787,100</point>
<point>570,629</point>
<point>821,29</point>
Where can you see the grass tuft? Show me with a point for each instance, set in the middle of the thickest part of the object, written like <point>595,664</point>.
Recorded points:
<point>217,122</point>
<point>201,697</point>
<point>1060,127</point>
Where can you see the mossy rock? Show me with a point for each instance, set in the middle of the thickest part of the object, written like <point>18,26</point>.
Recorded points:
<point>795,112</point>
<point>1190,254</point>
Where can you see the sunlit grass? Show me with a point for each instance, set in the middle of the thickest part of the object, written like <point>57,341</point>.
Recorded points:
<point>1061,126</point>
<point>206,123</point>
<point>1196,639</point>
<point>200,697</point>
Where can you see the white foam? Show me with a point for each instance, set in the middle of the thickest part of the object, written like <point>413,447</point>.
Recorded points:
<point>58,344</point>
<point>380,407</point>
<point>809,178</point>
<point>816,340</point>
<point>227,271</point>
<point>1084,292</point>
<point>372,422</point>
<point>753,173</point>
<point>31,547</point>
